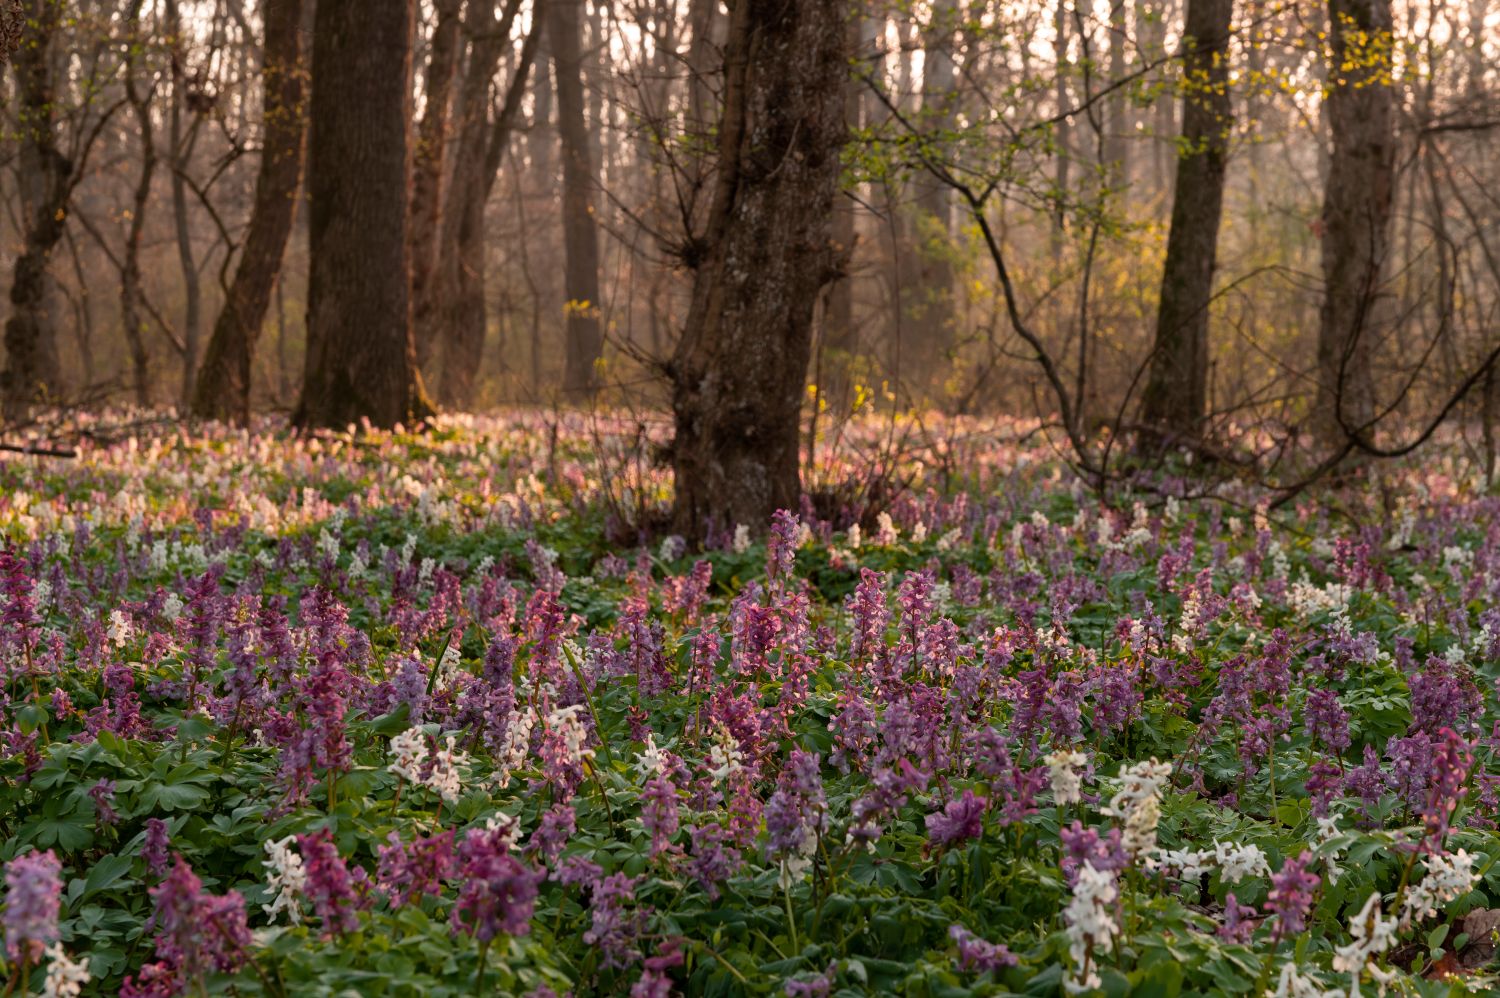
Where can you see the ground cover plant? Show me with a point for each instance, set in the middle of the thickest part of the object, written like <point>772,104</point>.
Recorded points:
<point>404,714</point>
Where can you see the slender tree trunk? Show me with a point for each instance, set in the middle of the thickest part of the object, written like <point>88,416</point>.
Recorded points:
<point>840,336</point>
<point>429,165</point>
<point>740,369</point>
<point>1356,219</point>
<point>460,302</point>
<point>1117,125</point>
<point>1177,388</point>
<point>928,291</point>
<point>12,28</point>
<point>182,141</point>
<point>1063,161</point>
<point>584,341</point>
<point>131,295</point>
<point>361,360</point>
<point>33,372</point>
<point>223,386</point>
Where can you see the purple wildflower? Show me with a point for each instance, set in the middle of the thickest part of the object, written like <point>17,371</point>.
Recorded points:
<point>1291,895</point>
<point>499,891</point>
<point>328,883</point>
<point>979,955</point>
<point>616,928</point>
<point>962,819</point>
<point>406,873</point>
<point>197,932</point>
<point>33,893</point>
<point>154,849</point>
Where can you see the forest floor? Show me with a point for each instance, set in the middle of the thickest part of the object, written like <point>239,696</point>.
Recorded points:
<point>407,714</point>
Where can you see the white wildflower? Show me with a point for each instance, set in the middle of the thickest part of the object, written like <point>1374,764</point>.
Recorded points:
<point>446,779</point>
<point>886,533</point>
<point>1371,934</point>
<point>508,827</point>
<point>568,724</point>
<point>1137,805</point>
<point>741,538</point>
<point>65,978</point>
<point>854,537</point>
<point>171,607</point>
<point>515,748</point>
<point>328,545</point>
<point>1448,879</point>
<point>651,760</point>
<point>286,881</point>
<point>1238,862</point>
<point>1091,926</point>
<point>1294,984</point>
<point>120,629</point>
<point>1139,837</point>
<point>1065,768</point>
<point>724,755</point>
<point>409,752</point>
<point>1191,864</point>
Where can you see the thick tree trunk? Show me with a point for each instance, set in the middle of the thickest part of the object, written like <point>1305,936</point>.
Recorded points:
<point>1177,389</point>
<point>740,368</point>
<point>32,370</point>
<point>223,386</point>
<point>459,302</point>
<point>1356,220</point>
<point>361,361</point>
<point>584,342</point>
<point>429,165</point>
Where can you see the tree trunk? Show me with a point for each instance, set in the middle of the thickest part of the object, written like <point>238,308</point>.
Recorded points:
<point>459,301</point>
<point>1356,219</point>
<point>223,386</point>
<point>1117,126</point>
<point>739,373</point>
<point>1177,389</point>
<point>361,360</point>
<point>928,288</point>
<point>12,27</point>
<point>584,342</point>
<point>182,143</point>
<point>840,335</point>
<point>32,371</point>
<point>132,298</point>
<point>429,164</point>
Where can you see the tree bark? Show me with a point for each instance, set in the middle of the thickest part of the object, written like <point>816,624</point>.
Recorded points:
<point>33,372</point>
<point>584,342</point>
<point>840,334</point>
<point>1176,393</point>
<point>459,302</point>
<point>1356,219</point>
<point>182,138</point>
<point>928,281</point>
<point>132,297</point>
<point>1117,126</point>
<point>739,373</point>
<point>12,27</point>
<point>429,164</point>
<point>361,360</point>
<point>223,386</point>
